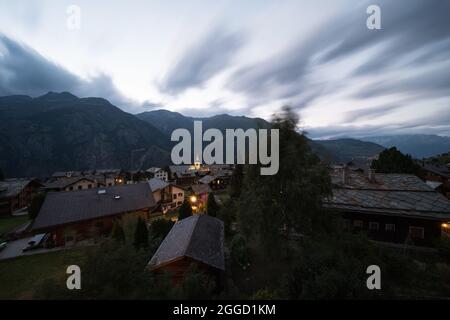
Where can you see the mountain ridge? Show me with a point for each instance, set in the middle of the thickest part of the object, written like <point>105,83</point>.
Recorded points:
<point>60,132</point>
<point>417,145</point>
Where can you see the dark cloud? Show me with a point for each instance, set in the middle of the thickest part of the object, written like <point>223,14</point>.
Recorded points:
<point>408,26</point>
<point>24,71</point>
<point>437,122</point>
<point>431,83</point>
<point>369,113</point>
<point>204,60</point>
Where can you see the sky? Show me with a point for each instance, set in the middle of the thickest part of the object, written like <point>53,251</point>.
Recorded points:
<point>251,57</point>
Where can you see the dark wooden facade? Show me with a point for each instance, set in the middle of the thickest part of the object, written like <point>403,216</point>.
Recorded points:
<point>69,234</point>
<point>396,229</point>
<point>177,268</point>
<point>9,204</point>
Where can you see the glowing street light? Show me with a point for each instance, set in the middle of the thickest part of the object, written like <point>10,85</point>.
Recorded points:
<point>193,199</point>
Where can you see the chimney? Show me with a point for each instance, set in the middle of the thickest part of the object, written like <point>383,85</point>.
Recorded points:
<point>372,178</point>
<point>345,174</point>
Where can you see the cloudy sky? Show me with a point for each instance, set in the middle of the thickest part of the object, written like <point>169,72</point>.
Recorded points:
<point>202,57</point>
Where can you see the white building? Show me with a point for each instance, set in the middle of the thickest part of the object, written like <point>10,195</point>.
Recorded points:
<point>159,173</point>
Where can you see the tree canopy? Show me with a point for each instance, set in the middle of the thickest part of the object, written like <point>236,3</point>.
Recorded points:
<point>290,199</point>
<point>185,211</point>
<point>35,206</point>
<point>141,234</point>
<point>236,181</point>
<point>212,207</point>
<point>393,161</point>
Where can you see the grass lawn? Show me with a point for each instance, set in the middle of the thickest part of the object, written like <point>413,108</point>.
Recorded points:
<point>9,223</point>
<point>19,277</point>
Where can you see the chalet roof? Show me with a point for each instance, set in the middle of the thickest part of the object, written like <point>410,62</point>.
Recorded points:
<point>198,189</point>
<point>61,208</point>
<point>12,187</point>
<point>384,181</point>
<point>108,171</point>
<point>442,171</point>
<point>199,237</point>
<point>182,170</point>
<point>206,179</point>
<point>153,169</point>
<point>434,184</point>
<point>157,184</point>
<point>60,174</point>
<point>65,182</point>
<point>392,194</point>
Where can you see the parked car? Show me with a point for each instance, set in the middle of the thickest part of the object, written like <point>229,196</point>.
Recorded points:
<point>36,242</point>
<point>3,245</point>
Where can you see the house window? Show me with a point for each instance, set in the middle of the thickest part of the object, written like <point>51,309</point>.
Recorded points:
<point>180,194</point>
<point>70,188</point>
<point>347,224</point>
<point>80,187</point>
<point>390,227</point>
<point>373,226</point>
<point>89,186</point>
<point>174,196</point>
<point>358,224</point>
<point>417,232</point>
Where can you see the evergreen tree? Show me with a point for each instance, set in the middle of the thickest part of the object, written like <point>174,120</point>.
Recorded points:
<point>236,181</point>
<point>117,232</point>
<point>160,228</point>
<point>212,207</point>
<point>393,161</point>
<point>185,210</point>
<point>292,198</point>
<point>141,234</point>
<point>35,206</point>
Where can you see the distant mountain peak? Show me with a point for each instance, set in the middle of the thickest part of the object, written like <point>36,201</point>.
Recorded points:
<point>58,96</point>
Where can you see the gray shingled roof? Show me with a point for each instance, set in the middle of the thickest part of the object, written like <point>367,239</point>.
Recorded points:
<point>65,182</point>
<point>437,169</point>
<point>198,189</point>
<point>199,237</point>
<point>12,187</point>
<point>68,207</point>
<point>394,194</point>
<point>157,184</point>
<point>206,179</point>
<point>68,174</point>
<point>153,169</point>
<point>182,170</point>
